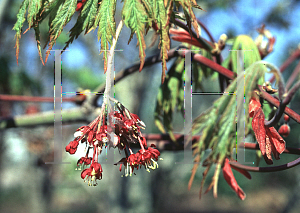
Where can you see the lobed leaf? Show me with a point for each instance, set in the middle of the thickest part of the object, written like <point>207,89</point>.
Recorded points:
<point>19,24</point>
<point>33,10</point>
<point>106,26</point>
<point>135,17</point>
<point>62,17</point>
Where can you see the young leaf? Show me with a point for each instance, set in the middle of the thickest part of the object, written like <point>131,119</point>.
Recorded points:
<point>18,25</point>
<point>189,14</point>
<point>63,16</point>
<point>251,53</point>
<point>33,9</point>
<point>38,42</point>
<point>163,15</point>
<point>107,26</point>
<point>135,17</point>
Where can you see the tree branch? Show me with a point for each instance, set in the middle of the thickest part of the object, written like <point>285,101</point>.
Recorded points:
<point>291,79</point>
<point>206,30</point>
<point>43,118</point>
<point>293,56</point>
<point>39,99</point>
<point>276,103</point>
<point>266,169</point>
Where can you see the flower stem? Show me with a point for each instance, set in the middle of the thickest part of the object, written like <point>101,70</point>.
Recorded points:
<point>109,63</point>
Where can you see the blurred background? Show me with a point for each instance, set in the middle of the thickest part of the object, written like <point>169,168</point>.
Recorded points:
<point>28,185</point>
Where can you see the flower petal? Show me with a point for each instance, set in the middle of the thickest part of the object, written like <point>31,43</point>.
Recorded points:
<point>274,151</point>
<point>86,172</point>
<point>254,105</point>
<point>229,177</point>
<point>268,157</point>
<point>258,126</point>
<point>277,140</point>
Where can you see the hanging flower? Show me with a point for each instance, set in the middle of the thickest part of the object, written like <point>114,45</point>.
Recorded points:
<point>92,174</point>
<point>84,160</point>
<point>148,158</point>
<point>72,147</point>
<point>267,137</point>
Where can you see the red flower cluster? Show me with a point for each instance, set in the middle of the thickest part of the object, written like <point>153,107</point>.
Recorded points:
<point>124,129</point>
<point>268,138</point>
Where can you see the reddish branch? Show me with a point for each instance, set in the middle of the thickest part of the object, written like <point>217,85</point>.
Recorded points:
<point>276,103</point>
<point>293,56</point>
<point>38,99</point>
<point>209,63</point>
<point>292,78</point>
<point>266,169</point>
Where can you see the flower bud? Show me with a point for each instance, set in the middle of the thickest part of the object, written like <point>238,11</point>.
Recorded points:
<point>286,118</point>
<point>284,130</point>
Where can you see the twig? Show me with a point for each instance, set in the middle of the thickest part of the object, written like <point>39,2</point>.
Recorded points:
<point>281,87</point>
<point>132,69</point>
<point>276,103</point>
<point>218,58</point>
<point>215,66</point>
<point>43,118</point>
<point>277,116</point>
<point>291,93</point>
<point>266,169</point>
<point>109,62</point>
<point>206,30</point>
<point>38,99</point>
<point>291,79</point>
<point>293,56</point>
<point>255,146</point>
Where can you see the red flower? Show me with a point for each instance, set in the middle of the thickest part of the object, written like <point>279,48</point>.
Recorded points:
<point>148,158</point>
<point>128,169</point>
<point>72,147</point>
<point>230,179</point>
<point>93,173</point>
<point>132,160</point>
<point>85,160</point>
<point>268,138</point>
